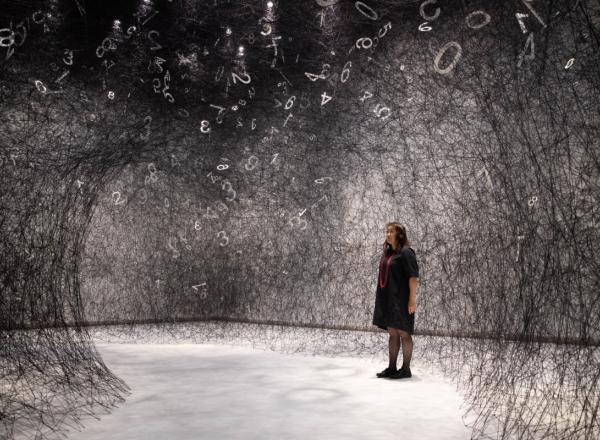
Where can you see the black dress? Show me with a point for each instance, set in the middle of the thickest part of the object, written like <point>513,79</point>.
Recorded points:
<point>391,298</point>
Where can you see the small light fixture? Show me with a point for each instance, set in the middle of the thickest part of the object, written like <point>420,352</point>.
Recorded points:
<point>269,4</point>
<point>228,31</point>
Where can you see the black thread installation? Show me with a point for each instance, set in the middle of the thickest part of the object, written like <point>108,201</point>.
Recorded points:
<point>216,163</point>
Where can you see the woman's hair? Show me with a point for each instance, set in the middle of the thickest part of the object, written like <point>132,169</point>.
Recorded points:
<point>401,237</point>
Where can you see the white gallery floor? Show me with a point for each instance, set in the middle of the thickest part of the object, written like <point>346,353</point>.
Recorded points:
<point>217,391</point>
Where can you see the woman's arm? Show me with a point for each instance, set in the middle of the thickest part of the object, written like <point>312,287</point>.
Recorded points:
<point>412,296</point>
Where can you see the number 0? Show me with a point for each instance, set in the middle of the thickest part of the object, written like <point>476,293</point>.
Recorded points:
<point>438,58</point>
<point>366,10</point>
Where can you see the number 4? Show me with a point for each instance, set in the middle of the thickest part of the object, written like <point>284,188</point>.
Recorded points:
<point>325,98</point>
<point>528,44</point>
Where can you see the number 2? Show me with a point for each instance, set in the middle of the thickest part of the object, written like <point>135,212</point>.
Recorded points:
<point>156,45</point>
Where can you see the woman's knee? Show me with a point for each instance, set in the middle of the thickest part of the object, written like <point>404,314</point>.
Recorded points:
<point>404,334</point>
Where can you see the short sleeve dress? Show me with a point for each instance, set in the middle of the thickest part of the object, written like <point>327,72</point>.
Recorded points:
<point>391,298</point>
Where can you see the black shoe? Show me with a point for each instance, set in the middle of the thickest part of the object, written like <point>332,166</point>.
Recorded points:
<point>401,374</point>
<point>388,372</point>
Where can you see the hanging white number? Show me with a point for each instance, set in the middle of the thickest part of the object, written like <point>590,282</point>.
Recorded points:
<point>382,111</point>
<point>147,122</point>
<point>290,102</point>
<point>210,213</point>
<point>226,185</point>
<point>326,3</point>
<point>7,37</point>
<point>365,96</point>
<point>219,73</point>
<point>205,127</point>
<point>155,43</point>
<point>117,200</point>
<point>364,43</point>
<point>520,18</point>
<point>252,163</point>
<point>436,64</point>
<point>366,10</point>
<point>569,63</point>
<point>533,11</point>
<point>224,238</point>
<point>245,80</point>
<point>530,43</point>
<point>427,16</point>
<point>346,72</point>
<point>68,57</point>
<point>384,30</point>
<point>484,22</point>
<point>298,221</point>
<point>313,77</point>
<point>40,86</point>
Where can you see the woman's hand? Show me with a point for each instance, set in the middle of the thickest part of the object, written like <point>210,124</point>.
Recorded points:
<point>412,307</point>
<point>412,296</point>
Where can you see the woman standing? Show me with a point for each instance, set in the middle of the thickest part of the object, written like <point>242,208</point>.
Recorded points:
<point>396,298</point>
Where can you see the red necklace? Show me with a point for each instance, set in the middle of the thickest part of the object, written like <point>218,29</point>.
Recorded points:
<point>383,282</point>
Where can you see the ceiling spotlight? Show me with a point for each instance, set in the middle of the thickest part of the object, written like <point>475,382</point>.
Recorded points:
<point>241,50</point>
<point>269,4</point>
<point>228,30</point>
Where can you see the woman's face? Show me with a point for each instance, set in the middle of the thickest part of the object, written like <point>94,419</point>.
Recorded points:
<point>390,235</point>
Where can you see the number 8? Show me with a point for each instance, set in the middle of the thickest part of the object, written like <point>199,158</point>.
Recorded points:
<point>10,38</point>
<point>205,127</point>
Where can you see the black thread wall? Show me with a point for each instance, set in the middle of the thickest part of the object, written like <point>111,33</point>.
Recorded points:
<point>255,184</point>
